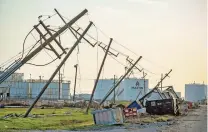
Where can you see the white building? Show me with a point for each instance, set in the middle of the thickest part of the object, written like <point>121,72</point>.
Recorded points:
<point>195,92</point>
<point>128,89</point>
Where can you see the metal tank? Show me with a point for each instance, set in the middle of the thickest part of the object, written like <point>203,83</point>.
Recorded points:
<point>103,86</point>
<point>134,88</point>
<point>195,92</point>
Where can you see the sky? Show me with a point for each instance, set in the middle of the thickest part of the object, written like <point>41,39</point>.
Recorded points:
<point>168,34</point>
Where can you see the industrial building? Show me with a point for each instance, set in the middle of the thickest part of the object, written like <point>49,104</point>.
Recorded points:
<point>128,90</point>
<point>195,92</point>
<point>15,87</point>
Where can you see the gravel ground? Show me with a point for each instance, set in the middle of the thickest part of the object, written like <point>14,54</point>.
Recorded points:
<point>196,121</point>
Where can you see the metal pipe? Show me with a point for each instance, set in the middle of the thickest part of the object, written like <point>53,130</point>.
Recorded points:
<point>120,80</point>
<point>98,76</point>
<point>57,69</point>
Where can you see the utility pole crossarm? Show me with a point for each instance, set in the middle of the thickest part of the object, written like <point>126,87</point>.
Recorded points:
<point>48,31</point>
<point>130,61</point>
<point>71,28</point>
<point>38,30</point>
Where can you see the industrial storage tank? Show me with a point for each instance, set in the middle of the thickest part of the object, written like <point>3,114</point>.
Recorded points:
<point>127,90</point>
<point>195,92</point>
<point>133,88</point>
<point>17,88</point>
<point>103,86</point>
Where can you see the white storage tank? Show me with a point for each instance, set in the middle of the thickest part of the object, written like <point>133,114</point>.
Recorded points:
<point>195,92</point>
<point>103,86</point>
<point>134,87</point>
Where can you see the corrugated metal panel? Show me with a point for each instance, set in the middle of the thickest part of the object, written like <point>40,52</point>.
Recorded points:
<point>108,116</point>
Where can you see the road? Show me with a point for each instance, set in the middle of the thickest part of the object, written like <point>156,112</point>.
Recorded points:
<point>196,121</point>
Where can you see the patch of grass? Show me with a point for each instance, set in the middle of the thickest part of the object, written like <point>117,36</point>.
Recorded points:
<point>75,120</point>
<point>157,118</point>
<point>126,103</point>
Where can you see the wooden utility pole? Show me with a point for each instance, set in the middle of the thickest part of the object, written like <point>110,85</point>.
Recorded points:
<point>119,81</point>
<point>144,75</point>
<point>58,68</point>
<point>114,95</point>
<point>156,87</point>
<point>161,81</point>
<point>75,80</point>
<point>59,95</point>
<point>98,76</point>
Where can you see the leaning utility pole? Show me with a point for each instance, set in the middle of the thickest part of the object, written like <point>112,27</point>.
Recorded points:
<point>114,95</point>
<point>58,68</point>
<point>112,89</point>
<point>161,81</point>
<point>75,81</point>
<point>156,87</point>
<point>144,75</point>
<point>18,64</point>
<point>98,76</point>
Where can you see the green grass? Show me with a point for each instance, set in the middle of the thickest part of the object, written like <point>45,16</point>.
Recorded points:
<point>156,118</point>
<point>77,119</point>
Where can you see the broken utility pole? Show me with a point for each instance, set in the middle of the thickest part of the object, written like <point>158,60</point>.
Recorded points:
<point>156,87</point>
<point>98,76</point>
<point>20,63</point>
<point>111,90</point>
<point>57,69</point>
<point>75,80</point>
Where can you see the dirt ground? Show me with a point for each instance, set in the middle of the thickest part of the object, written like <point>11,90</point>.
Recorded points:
<point>196,121</point>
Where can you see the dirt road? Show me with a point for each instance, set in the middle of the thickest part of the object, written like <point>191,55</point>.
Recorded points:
<point>196,121</point>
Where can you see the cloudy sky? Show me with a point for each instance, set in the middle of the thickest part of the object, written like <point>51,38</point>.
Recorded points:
<point>169,34</point>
